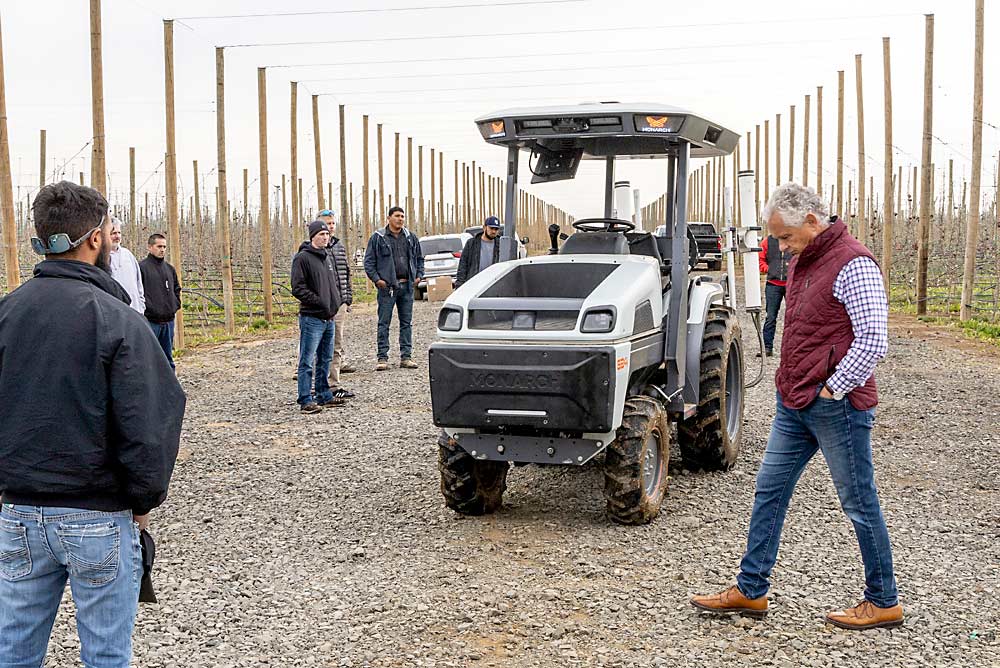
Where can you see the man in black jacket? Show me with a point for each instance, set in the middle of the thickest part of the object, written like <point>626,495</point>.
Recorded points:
<point>480,251</point>
<point>317,287</point>
<point>163,293</point>
<point>89,432</point>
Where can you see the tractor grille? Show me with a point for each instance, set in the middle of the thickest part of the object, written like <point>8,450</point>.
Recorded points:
<point>643,318</point>
<point>538,320</point>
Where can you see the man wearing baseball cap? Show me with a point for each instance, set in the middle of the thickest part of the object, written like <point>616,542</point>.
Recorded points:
<point>480,251</point>
<point>316,285</point>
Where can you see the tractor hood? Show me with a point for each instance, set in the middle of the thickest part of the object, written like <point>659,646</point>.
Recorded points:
<point>564,298</point>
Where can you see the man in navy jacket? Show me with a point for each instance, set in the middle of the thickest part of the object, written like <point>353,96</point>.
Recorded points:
<point>394,262</point>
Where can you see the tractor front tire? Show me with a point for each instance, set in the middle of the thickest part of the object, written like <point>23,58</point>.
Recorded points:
<point>710,440</point>
<point>636,463</point>
<point>470,486</point>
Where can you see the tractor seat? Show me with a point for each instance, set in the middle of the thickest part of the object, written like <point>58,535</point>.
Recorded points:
<point>595,243</point>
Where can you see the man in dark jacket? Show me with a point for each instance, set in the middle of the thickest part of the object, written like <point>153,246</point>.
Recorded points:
<point>89,432</point>
<point>836,331</point>
<point>480,251</point>
<point>773,262</point>
<point>163,293</point>
<point>316,285</point>
<point>339,253</point>
<point>394,262</point>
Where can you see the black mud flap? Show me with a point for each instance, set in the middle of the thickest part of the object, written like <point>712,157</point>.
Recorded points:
<point>569,388</point>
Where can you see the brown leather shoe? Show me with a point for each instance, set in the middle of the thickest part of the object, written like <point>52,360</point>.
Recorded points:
<point>867,615</point>
<point>732,600</point>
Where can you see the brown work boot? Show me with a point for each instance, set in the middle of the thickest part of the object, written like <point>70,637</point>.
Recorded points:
<point>732,600</point>
<point>407,364</point>
<point>383,365</point>
<point>867,615</point>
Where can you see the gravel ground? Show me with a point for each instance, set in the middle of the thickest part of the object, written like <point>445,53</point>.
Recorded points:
<point>293,540</point>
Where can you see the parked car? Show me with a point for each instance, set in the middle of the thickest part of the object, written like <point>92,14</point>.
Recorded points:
<point>522,249</point>
<point>441,256</point>
<point>709,243</point>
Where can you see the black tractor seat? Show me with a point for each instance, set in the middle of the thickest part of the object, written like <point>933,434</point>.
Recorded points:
<point>595,243</point>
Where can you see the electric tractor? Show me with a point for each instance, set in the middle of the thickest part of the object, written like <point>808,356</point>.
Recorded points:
<point>609,348</point>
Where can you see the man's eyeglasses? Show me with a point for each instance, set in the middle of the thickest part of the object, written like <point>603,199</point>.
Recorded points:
<point>59,243</point>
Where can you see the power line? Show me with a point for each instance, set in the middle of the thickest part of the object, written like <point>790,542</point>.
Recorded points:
<point>565,31</point>
<point>585,68</point>
<point>385,10</point>
<point>505,57</point>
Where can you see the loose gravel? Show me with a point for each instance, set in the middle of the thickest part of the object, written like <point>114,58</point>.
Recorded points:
<point>293,540</point>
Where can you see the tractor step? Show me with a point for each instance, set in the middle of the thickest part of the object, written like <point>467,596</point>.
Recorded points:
<point>690,410</point>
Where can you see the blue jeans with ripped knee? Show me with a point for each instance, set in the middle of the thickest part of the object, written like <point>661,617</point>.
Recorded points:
<point>843,434</point>
<point>40,548</point>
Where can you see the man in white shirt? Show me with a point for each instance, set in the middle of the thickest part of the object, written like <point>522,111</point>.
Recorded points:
<point>125,268</point>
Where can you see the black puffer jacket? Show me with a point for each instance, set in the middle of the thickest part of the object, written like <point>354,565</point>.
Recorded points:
<point>336,248</point>
<point>315,282</point>
<point>92,412</point>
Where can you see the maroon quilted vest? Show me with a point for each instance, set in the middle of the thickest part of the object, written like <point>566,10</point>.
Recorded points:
<point>818,330</point>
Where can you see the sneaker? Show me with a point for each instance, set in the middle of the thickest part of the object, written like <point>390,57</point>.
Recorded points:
<point>311,408</point>
<point>769,352</point>
<point>382,365</point>
<point>347,367</point>
<point>342,393</point>
<point>407,364</point>
<point>336,402</point>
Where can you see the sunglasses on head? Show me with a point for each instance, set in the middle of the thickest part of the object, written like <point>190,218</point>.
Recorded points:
<point>59,243</point>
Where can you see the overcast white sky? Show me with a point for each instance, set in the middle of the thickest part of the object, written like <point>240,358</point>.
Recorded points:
<point>736,63</point>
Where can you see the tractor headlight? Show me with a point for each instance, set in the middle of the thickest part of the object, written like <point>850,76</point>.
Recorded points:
<point>598,320</point>
<point>493,129</point>
<point>450,319</point>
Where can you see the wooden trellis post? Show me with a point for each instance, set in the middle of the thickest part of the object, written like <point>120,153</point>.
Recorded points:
<point>381,170</point>
<point>805,143</point>
<point>343,183</point>
<point>265,213</point>
<point>972,217</point>
<point>294,138</point>
<point>365,214</point>
<point>319,159</point>
<point>840,144</point>
<point>223,208</point>
<point>11,269</point>
<point>819,140</point>
<point>926,185</point>
<point>98,172</point>
<point>862,213</point>
<point>170,167</point>
<point>888,206</point>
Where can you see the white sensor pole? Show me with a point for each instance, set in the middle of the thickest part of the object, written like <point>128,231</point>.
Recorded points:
<point>751,240</point>
<point>623,200</point>
<point>729,240</point>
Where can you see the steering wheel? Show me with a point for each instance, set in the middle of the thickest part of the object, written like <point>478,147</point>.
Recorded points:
<point>602,225</point>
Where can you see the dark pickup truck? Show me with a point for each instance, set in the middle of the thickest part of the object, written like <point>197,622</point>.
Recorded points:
<point>709,243</point>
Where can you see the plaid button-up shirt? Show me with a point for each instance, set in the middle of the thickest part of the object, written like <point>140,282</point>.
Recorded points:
<point>860,289</point>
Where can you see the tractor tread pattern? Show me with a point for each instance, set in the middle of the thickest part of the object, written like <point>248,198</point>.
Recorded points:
<point>627,501</point>
<point>470,486</point>
<point>703,441</point>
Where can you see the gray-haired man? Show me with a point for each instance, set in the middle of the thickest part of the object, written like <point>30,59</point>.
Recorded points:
<point>836,331</point>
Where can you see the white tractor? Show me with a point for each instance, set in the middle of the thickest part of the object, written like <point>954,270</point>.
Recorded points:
<point>598,347</point>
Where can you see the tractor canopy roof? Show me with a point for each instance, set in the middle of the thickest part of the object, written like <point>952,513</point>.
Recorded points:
<point>598,130</point>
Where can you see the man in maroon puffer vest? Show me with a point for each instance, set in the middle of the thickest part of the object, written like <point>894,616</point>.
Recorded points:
<point>836,331</point>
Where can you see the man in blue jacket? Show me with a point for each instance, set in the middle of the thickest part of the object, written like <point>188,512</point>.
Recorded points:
<point>89,431</point>
<point>395,263</point>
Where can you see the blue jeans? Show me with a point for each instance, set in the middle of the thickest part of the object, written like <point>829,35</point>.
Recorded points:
<point>773,295</point>
<point>315,353</point>
<point>40,547</point>
<point>164,332</point>
<point>402,299</point>
<point>843,434</point>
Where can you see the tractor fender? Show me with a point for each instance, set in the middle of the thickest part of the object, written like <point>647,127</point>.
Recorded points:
<point>702,294</point>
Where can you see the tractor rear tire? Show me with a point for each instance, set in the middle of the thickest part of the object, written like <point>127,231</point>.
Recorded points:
<point>711,439</point>
<point>470,486</point>
<point>636,463</point>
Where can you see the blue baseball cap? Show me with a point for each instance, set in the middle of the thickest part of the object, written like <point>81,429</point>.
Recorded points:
<point>325,212</point>
<point>492,221</point>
